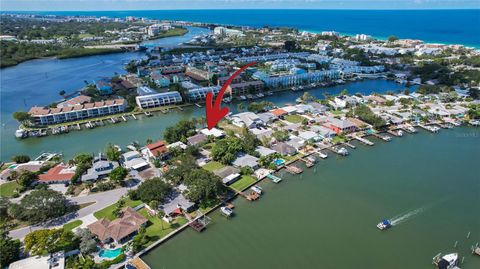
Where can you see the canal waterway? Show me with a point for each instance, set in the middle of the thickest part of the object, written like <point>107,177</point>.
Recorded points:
<point>326,217</point>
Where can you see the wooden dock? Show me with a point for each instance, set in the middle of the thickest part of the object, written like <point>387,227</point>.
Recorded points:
<point>383,137</point>
<point>139,263</point>
<point>364,140</point>
<point>350,145</point>
<point>133,116</point>
<point>293,169</point>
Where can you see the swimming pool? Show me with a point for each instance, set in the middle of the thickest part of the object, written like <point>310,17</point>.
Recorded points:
<point>278,162</point>
<point>110,253</point>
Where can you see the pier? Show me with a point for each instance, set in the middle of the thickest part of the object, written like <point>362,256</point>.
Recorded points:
<point>432,129</point>
<point>133,116</point>
<point>364,140</point>
<point>321,154</point>
<point>274,178</point>
<point>349,145</point>
<point>293,169</point>
<point>385,138</point>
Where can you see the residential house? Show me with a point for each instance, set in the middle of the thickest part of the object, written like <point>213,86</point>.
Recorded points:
<point>323,131</point>
<point>228,174</point>
<point>32,166</point>
<point>249,119</point>
<point>284,149</point>
<point>267,117</point>
<point>176,204</point>
<point>104,86</point>
<point>263,151</point>
<point>340,125</point>
<point>279,113</point>
<point>246,160</point>
<point>132,160</point>
<point>119,230</point>
<point>157,150</point>
<point>213,132</point>
<point>49,261</point>
<point>197,139</point>
<point>59,174</point>
<point>101,167</point>
<point>159,79</point>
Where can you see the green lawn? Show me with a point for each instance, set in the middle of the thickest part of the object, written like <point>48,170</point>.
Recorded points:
<point>212,166</point>
<point>294,118</point>
<point>72,225</point>
<point>338,139</point>
<point>107,212</point>
<point>8,189</point>
<point>243,182</point>
<point>157,228</point>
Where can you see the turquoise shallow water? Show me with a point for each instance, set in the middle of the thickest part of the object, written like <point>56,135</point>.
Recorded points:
<point>445,26</point>
<point>326,217</point>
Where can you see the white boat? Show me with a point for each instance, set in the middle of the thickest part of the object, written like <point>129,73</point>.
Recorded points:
<point>269,93</point>
<point>474,122</point>
<point>384,224</point>
<point>260,95</point>
<point>256,189</point>
<point>228,212</point>
<point>243,98</point>
<point>343,151</point>
<point>387,138</point>
<point>322,155</point>
<point>448,261</point>
<point>400,133</point>
<point>20,133</point>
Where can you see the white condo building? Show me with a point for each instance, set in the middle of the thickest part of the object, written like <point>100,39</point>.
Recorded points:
<point>158,99</point>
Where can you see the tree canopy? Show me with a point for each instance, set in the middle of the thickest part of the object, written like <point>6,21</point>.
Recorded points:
<point>365,114</point>
<point>180,131</point>
<point>203,185</point>
<point>112,152</point>
<point>152,189</point>
<point>45,241</point>
<point>41,205</point>
<point>10,249</point>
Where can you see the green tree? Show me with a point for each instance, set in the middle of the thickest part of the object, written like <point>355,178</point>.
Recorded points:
<point>9,248</point>
<point>26,178</point>
<point>203,185</point>
<point>21,158</point>
<point>41,242</point>
<point>112,152</point>
<point>87,241</point>
<point>21,116</point>
<point>40,206</point>
<point>118,174</point>
<point>392,38</point>
<point>180,131</point>
<point>153,189</point>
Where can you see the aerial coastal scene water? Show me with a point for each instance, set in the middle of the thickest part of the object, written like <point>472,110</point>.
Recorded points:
<point>349,144</point>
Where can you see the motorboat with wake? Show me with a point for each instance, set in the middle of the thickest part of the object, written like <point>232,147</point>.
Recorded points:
<point>384,225</point>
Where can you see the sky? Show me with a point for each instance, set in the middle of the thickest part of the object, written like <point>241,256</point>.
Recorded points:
<point>92,5</point>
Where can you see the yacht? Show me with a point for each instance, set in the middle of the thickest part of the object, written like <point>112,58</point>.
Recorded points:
<point>269,93</point>
<point>343,151</point>
<point>228,212</point>
<point>400,133</point>
<point>475,122</point>
<point>448,261</point>
<point>20,133</point>
<point>384,225</point>
<point>257,189</point>
<point>260,95</point>
<point>243,98</point>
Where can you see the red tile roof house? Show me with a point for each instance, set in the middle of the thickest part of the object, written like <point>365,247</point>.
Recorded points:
<point>340,125</point>
<point>119,230</point>
<point>156,150</point>
<point>59,174</point>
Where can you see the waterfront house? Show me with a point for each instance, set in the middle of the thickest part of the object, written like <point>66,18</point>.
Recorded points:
<point>267,117</point>
<point>119,84</point>
<point>197,139</point>
<point>323,131</point>
<point>132,160</point>
<point>104,86</point>
<point>280,113</point>
<point>59,174</point>
<point>175,204</point>
<point>101,167</point>
<point>213,132</point>
<point>284,149</point>
<point>48,116</point>
<point>32,166</point>
<point>246,160</point>
<point>262,132</point>
<point>249,119</point>
<point>263,151</point>
<point>228,174</point>
<point>157,150</point>
<point>119,230</point>
<point>290,109</point>
<point>341,102</point>
<point>296,142</point>
<point>309,136</point>
<point>158,99</point>
<point>142,72</point>
<point>340,125</point>
<point>177,144</point>
<point>318,108</point>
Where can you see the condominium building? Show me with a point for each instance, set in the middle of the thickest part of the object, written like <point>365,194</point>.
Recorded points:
<point>301,79</point>
<point>158,99</point>
<point>244,87</point>
<point>271,57</point>
<point>201,93</point>
<point>47,116</point>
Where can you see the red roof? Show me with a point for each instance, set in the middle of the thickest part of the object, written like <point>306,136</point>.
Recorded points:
<point>158,148</point>
<point>57,173</point>
<point>279,112</point>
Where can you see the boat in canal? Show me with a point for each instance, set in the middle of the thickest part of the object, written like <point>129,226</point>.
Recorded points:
<point>257,189</point>
<point>384,225</point>
<point>448,261</point>
<point>226,211</point>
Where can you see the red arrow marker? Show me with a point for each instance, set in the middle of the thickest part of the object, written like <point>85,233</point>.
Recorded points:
<point>214,112</point>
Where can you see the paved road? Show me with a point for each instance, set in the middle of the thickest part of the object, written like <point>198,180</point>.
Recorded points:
<point>102,199</point>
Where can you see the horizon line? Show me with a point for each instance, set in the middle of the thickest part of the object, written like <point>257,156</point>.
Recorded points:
<point>194,9</point>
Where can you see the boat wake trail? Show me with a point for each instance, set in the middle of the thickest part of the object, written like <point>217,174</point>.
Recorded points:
<point>405,216</point>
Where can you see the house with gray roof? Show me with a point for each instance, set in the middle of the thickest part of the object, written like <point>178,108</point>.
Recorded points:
<point>246,160</point>
<point>174,202</point>
<point>249,119</point>
<point>197,139</point>
<point>264,151</point>
<point>101,167</point>
<point>284,148</point>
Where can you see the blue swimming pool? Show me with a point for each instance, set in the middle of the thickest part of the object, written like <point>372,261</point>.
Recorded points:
<point>110,253</point>
<point>278,162</point>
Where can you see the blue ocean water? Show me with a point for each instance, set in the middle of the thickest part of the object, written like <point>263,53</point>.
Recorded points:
<point>443,26</point>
